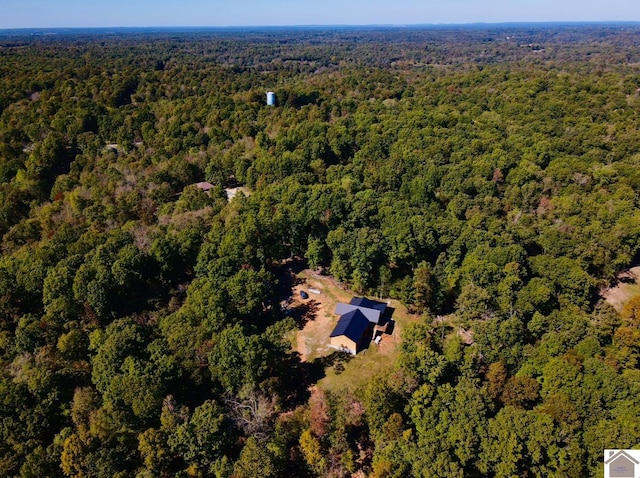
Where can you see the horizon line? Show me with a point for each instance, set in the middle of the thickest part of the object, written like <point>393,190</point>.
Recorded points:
<point>331,25</point>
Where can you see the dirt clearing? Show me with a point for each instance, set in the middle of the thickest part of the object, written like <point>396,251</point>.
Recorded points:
<point>315,315</point>
<point>316,319</point>
<point>627,288</point>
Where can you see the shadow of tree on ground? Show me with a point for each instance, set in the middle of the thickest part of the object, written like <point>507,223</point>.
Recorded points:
<point>304,312</point>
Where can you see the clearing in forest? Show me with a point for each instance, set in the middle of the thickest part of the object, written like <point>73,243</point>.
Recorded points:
<point>627,288</point>
<point>316,319</point>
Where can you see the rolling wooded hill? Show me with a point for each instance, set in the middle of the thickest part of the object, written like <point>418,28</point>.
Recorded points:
<point>488,174</point>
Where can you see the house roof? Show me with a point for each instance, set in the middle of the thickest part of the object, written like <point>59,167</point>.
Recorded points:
<point>369,304</point>
<point>372,315</point>
<point>352,325</point>
<point>205,186</point>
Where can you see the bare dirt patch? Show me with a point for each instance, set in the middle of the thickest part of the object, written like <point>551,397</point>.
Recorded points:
<point>628,286</point>
<point>315,315</point>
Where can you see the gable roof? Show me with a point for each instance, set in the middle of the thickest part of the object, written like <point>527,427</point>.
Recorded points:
<point>372,315</point>
<point>369,304</point>
<point>352,325</point>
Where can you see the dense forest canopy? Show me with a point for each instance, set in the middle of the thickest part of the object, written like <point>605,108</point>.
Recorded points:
<point>486,174</point>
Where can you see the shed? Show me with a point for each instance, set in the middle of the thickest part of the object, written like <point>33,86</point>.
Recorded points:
<point>205,186</point>
<point>351,332</point>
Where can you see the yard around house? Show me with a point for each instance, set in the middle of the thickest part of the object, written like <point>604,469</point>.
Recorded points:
<point>317,319</point>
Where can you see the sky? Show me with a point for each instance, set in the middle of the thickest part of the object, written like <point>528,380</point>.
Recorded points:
<point>148,13</point>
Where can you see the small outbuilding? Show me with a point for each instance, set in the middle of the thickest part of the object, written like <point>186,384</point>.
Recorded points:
<point>205,186</point>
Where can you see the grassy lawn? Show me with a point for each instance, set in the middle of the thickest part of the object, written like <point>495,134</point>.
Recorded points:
<point>358,370</point>
<point>342,371</point>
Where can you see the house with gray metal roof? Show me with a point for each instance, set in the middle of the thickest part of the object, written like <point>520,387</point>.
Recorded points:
<point>371,309</point>
<point>356,322</point>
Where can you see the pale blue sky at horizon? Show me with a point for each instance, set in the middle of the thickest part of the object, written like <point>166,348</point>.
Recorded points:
<point>145,13</point>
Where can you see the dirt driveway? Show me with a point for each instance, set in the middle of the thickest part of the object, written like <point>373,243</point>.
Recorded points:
<point>314,315</point>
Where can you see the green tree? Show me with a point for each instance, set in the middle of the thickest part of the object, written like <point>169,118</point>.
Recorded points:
<point>255,461</point>
<point>237,359</point>
<point>204,439</point>
<point>423,287</point>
